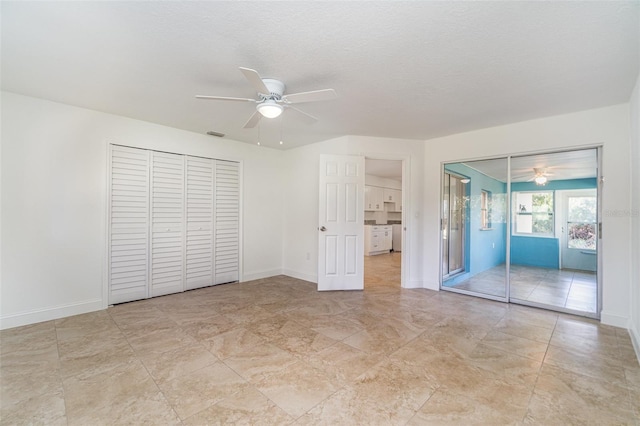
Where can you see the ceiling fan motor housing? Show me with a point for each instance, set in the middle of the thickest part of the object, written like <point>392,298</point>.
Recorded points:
<point>276,88</point>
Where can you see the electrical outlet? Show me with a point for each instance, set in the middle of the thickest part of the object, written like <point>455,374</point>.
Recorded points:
<point>308,256</point>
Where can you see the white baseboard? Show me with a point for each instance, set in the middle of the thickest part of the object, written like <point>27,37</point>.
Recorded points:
<point>415,284</point>
<point>300,275</point>
<point>431,285</point>
<point>47,314</point>
<point>261,274</point>
<point>614,320</point>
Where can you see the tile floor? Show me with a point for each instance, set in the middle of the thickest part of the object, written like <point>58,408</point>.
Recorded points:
<point>275,351</point>
<point>574,290</point>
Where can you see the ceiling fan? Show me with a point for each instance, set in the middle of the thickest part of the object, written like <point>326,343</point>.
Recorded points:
<point>540,176</point>
<point>272,101</point>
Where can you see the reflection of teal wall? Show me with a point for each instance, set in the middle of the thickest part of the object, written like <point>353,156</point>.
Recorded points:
<point>539,251</point>
<point>535,251</point>
<point>483,249</point>
<point>555,185</point>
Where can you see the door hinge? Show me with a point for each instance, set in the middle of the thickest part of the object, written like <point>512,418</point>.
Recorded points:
<point>599,230</point>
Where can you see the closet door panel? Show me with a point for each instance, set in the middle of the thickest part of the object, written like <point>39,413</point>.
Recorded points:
<point>167,224</point>
<point>128,227</point>
<point>227,222</point>
<point>199,229</point>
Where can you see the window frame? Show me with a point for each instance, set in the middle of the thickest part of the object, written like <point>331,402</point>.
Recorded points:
<point>517,212</point>
<point>485,210</point>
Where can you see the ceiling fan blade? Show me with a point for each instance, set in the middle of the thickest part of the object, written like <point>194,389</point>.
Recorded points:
<point>308,118</point>
<point>253,120</point>
<point>225,98</point>
<point>313,96</point>
<point>255,80</point>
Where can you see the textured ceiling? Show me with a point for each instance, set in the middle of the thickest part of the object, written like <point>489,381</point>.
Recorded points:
<point>412,70</point>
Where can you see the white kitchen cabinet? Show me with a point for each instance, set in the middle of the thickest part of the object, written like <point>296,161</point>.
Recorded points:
<point>373,198</point>
<point>378,239</point>
<point>393,198</point>
<point>391,195</point>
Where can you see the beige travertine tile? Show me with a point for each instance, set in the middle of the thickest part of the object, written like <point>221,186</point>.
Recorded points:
<point>45,409</point>
<point>505,365</point>
<point>94,354</point>
<point>346,408</point>
<point>343,363</point>
<point>268,328</point>
<point>248,406</point>
<point>159,341</point>
<point>516,345</point>
<point>445,408</point>
<point>335,327</point>
<point>596,367</point>
<point>85,324</point>
<point>236,341</point>
<point>207,328</point>
<point>301,341</point>
<point>248,314</point>
<point>564,397</point>
<point>292,354</point>
<point>298,388</point>
<point>22,382</point>
<point>193,392</point>
<point>122,395</point>
<point>383,338</point>
<point>261,361</point>
<point>395,386</point>
<point>520,328</point>
<point>178,362</point>
<point>135,313</point>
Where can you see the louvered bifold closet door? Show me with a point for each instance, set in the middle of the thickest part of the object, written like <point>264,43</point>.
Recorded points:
<point>199,248</point>
<point>227,221</point>
<point>167,223</point>
<point>129,224</point>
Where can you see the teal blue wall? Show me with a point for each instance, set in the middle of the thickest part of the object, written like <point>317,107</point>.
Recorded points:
<point>535,251</point>
<point>555,185</point>
<point>540,251</point>
<point>483,249</point>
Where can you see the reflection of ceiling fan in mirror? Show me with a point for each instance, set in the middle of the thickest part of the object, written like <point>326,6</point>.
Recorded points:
<point>540,176</point>
<point>272,100</point>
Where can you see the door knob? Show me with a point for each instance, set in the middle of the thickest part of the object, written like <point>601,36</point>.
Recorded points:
<point>322,228</point>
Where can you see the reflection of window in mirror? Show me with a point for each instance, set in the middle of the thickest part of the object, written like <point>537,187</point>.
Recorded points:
<point>534,214</point>
<point>485,209</point>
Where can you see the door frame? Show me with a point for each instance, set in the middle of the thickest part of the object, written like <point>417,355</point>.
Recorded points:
<point>406,207</point>
<point>561,219</point>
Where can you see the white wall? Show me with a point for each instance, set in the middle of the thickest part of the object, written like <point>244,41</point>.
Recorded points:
<point>634,109</point>
<point>300,255</point>
<point>53,197</point>
<point>382,182</point>
<point>608,127</point>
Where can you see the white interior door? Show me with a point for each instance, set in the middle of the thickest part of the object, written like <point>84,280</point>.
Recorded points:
<point>167,224</point>
<point>129,224</point>
<point>227,222</point>
<point>341,223</point>
<point>199,265</point>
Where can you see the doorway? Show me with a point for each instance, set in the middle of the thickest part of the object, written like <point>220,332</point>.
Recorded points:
<point>531,230</point>
<point>383,223</point>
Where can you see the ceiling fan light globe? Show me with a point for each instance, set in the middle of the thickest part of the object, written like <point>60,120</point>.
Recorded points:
<point>270,109</point>
<point>540,180</point>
